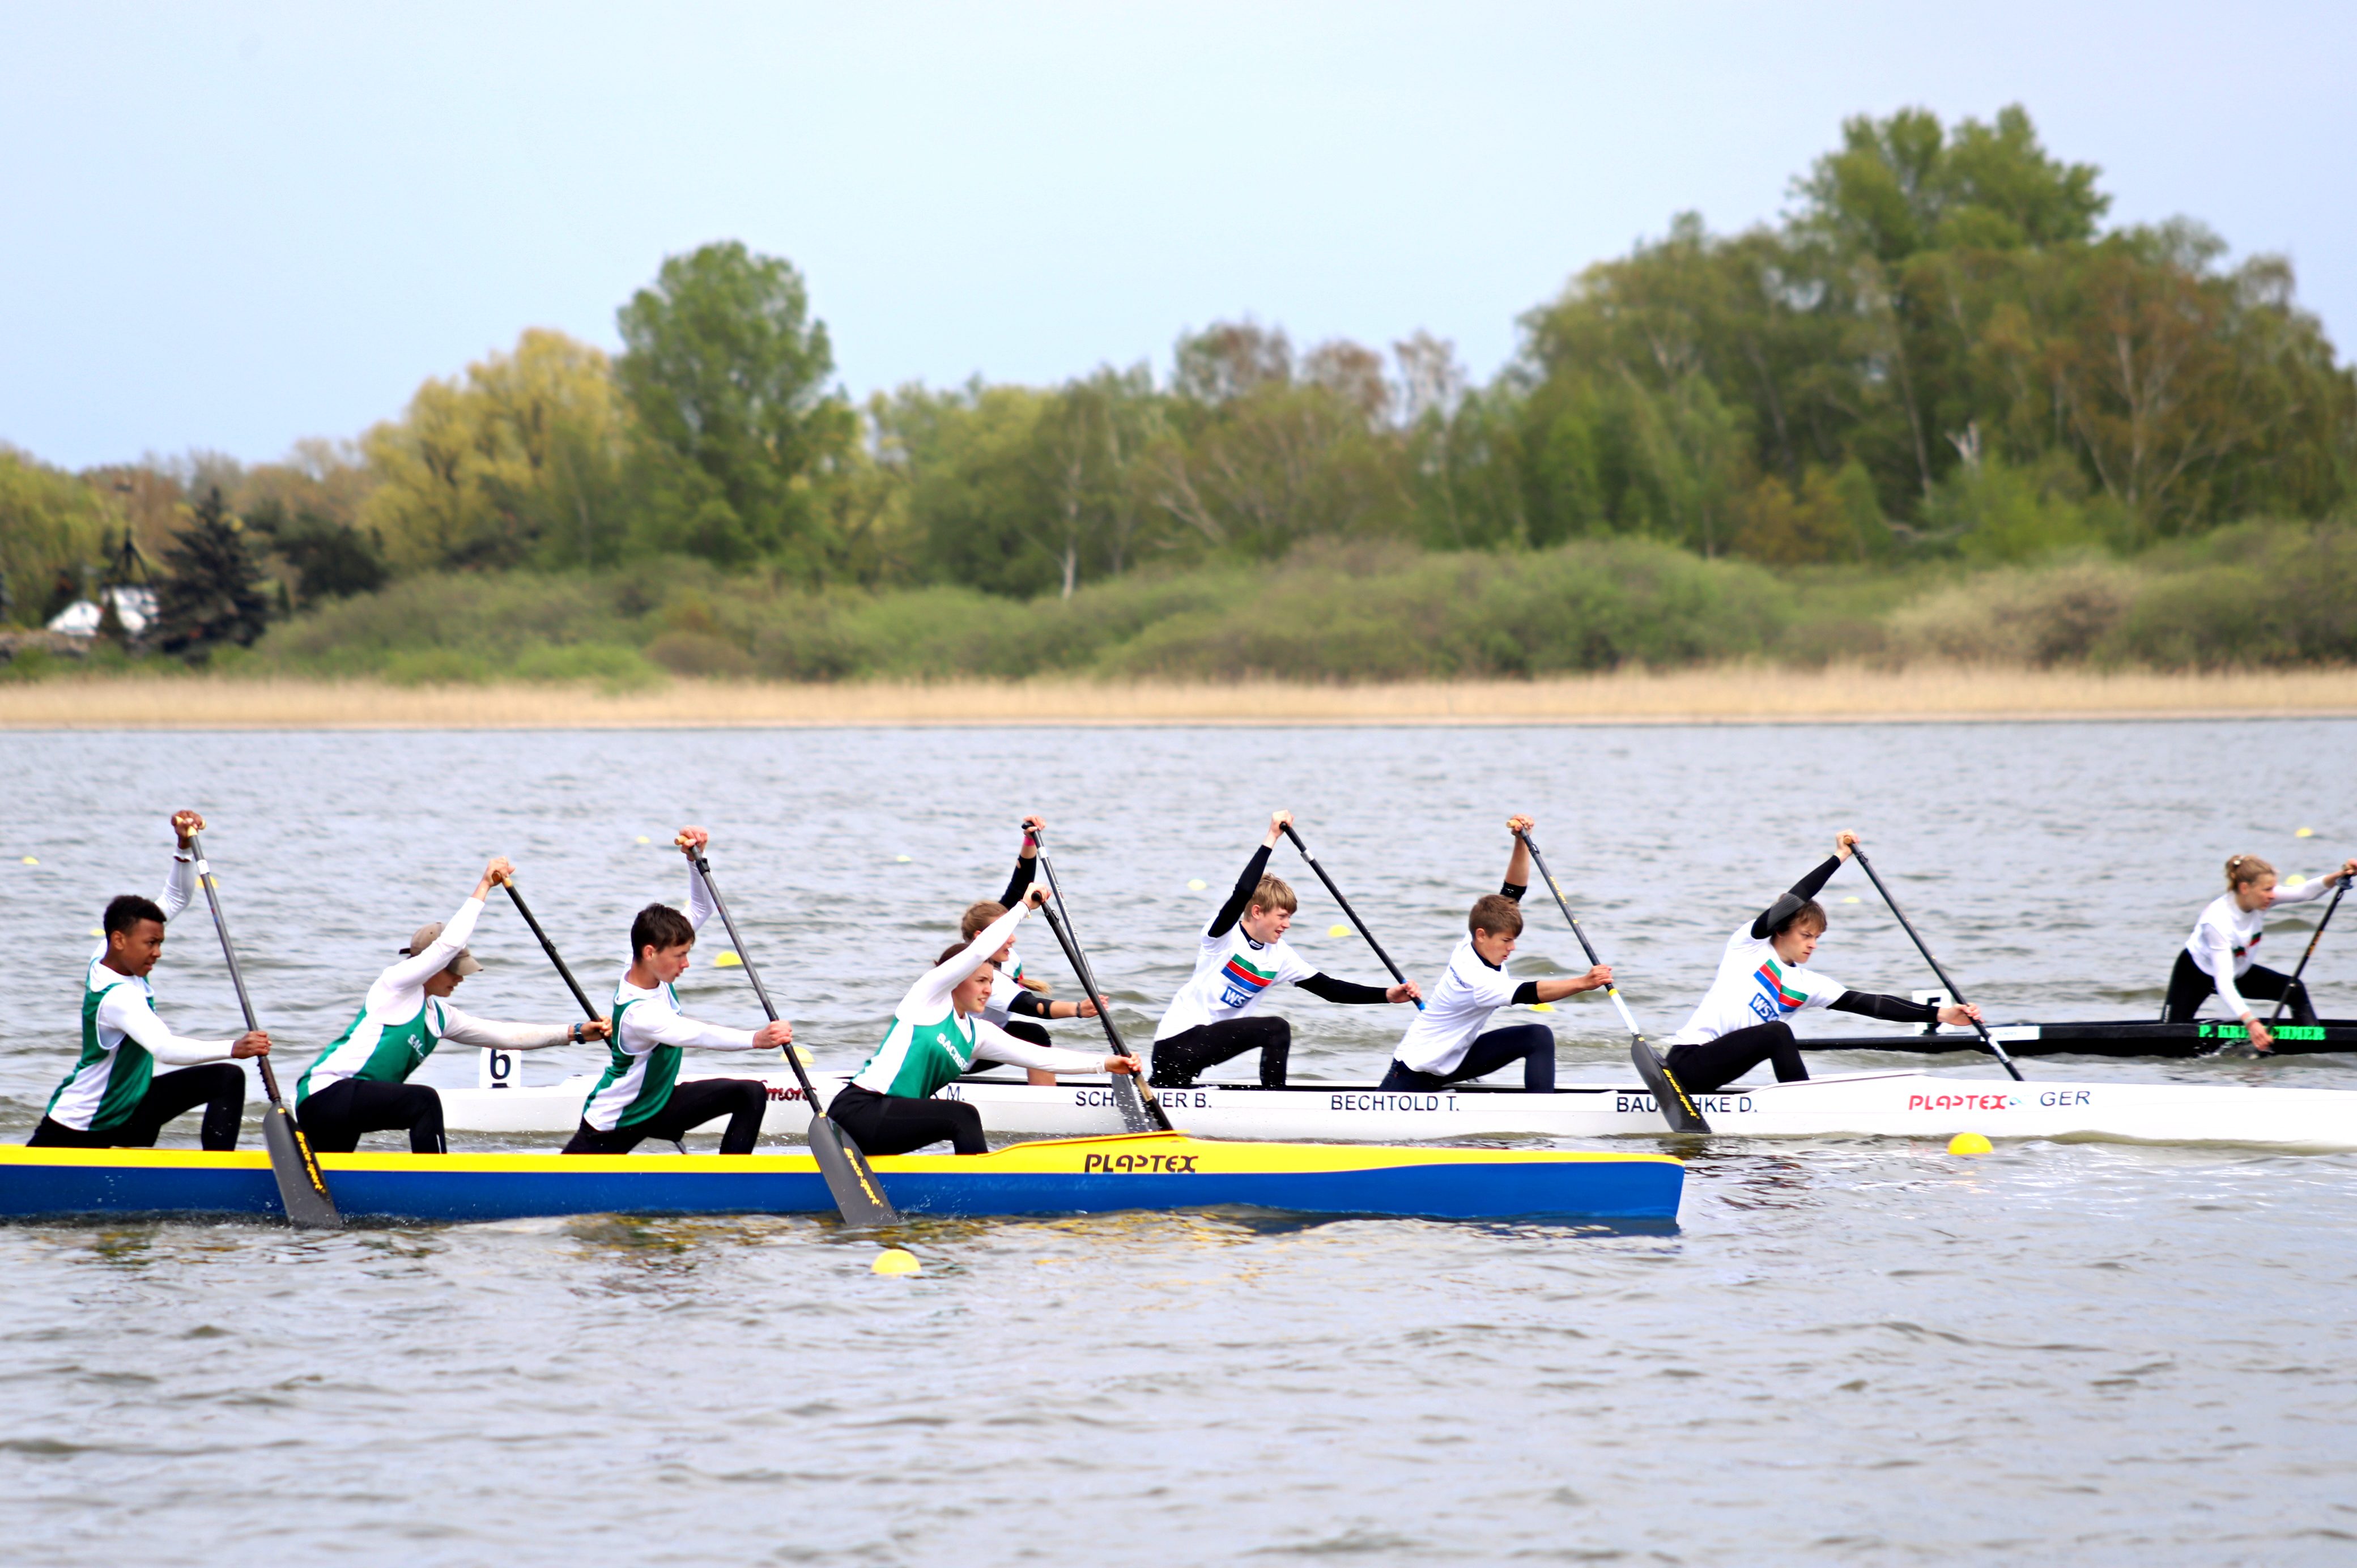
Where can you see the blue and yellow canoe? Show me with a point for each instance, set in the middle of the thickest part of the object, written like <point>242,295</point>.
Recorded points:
<point>1069,1176</point>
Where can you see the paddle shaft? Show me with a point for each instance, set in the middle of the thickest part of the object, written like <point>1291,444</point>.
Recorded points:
<point>301,1189</point>
<point>228,955</point>
<point>1139,1112</point>
<point>857,1195</point>
<point>1954,996</point>
<point>2302,967</point>
<point>1586,946</point>
<point>549,948</point>
<point>1345,904</point>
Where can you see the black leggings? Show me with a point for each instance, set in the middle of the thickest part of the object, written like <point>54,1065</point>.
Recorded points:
<point>1182,1058</point>
<point>2188,987</point>
<point>334,1117</point>
<point>897,1124</point>
<point>1023,1029</point>
<point>744,1100</point>
<point>219,1087</point>
<point>1533,1044</point>
<point>1716,1063</point>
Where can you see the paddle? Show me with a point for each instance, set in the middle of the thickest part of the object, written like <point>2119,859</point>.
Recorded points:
<point>1676,1106</point>
<point>1954,996</point>
<point>2302,967</point>
<point>302,1190</point>
<point>1140,1112</point>
<point>856,1192</point>
<point>557,959</point>
<point>1357,924</point>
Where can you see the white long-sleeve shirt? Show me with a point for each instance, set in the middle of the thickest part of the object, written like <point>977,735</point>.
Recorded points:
<point>642,1060</point>
<point>929,1043</point>
<point>119,1010</point>
<point>2225,939</point>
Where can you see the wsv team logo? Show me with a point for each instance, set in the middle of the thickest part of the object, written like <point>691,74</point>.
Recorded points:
<point>1241,983</point>
<point>1774,999</point>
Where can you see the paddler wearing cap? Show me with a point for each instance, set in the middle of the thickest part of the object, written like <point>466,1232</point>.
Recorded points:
<point>360,1084</point>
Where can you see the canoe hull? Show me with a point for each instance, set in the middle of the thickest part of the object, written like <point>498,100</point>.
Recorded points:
<point>1867,1105</point>
<point>1150,1170</point>
<point>2125,1038</point>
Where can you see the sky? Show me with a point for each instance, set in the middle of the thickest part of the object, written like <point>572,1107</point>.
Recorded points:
<point>228,227</point>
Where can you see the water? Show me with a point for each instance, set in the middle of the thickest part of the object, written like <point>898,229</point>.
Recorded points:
<point>1848,1353</point>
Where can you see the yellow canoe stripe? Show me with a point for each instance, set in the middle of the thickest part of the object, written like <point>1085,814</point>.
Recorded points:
<point>1139,1150</point>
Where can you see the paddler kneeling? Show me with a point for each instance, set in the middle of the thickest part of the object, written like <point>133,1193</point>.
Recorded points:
<point>360,1084</point>
<point>1451,1041</point>
<point>640,1095</point>
<point>1764,979</point>
<point>937,1032</point>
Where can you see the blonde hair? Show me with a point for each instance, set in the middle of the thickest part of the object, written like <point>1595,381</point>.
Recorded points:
<point>2241,870</point>
<point>1274,893</point>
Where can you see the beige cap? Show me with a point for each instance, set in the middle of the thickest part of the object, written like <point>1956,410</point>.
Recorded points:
<point>423,938</point>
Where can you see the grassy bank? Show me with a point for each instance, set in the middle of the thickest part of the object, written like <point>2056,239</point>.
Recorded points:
<point>1724,693</point>
<point>2280,596</point>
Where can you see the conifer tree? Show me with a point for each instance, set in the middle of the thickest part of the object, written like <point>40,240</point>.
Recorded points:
<point>211,592</point>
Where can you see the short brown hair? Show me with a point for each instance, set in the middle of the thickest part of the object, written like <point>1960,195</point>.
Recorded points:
<point>1275,893</point>
<point>2241,870</point>
<point>1496,914</point>
<point>659,925</point>
<point>978,917</point>
<point>1811,911</point>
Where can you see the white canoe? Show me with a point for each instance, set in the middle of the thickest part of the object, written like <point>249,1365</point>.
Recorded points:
<point>1863,1105</point>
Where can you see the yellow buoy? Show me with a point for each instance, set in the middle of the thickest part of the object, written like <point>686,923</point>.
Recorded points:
<point>2295,880</point>
<point>1195,884</point>
<point>29,860</point>
<point>1851,899</point>
<point>901,859</point>
<point>1542,1006</point>
<point>2304,834</point>
<point>643,839</point>
<point>723,959</point>
<point>895,1260</point>
<point>1968,1144</point>
<point>97,930</point>
<point>802,1056</point>
<point>1338,930</point>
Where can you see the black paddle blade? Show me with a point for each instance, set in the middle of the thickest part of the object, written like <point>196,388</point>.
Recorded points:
<point>856,1190</point>
<point>1138,1114</point>
<point>302,1190</point>
<point>1677,1109</point>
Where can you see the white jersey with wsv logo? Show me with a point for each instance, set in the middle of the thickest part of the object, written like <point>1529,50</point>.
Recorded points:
<point>1231,973</point>
<point>1755,986</point>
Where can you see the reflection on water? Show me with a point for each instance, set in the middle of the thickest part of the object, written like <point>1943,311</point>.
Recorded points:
<point>1849,1351</point>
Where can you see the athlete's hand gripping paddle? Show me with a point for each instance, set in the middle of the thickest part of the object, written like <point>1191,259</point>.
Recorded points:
<point>1954,996</point>
<point>302,1190</point>
<point>849,1179</point>
<point>1677,1107</point>
<point>2301,968</point>
<point>1358,924</point>
<point>1140,1112</point>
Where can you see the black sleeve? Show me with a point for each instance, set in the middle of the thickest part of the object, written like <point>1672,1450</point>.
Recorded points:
<point>1526,992</point>
<point>1806,888</point>
<point>1513,890</point>
<point>1241,899</point>
<point>1326,988</point>
<point>1020,883</point>
<point>1890,1009</point>
<point>1029,1003</point>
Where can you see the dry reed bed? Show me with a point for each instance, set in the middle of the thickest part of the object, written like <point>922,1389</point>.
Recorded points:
<point>1731,694</point>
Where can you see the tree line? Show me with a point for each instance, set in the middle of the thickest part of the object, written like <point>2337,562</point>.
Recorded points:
<point>1939,351</point>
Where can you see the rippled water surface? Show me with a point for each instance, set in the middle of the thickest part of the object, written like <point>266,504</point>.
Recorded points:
<point>1848,1352</point>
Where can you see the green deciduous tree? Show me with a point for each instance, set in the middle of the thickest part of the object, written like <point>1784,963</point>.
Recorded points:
<point>729,376</point>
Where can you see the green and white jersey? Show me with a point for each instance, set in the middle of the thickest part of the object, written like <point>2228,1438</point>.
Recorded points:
<point>648,1030</point>
<point>929,1043</point>
<point>122,1040</point>
<point>399,1025</point>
